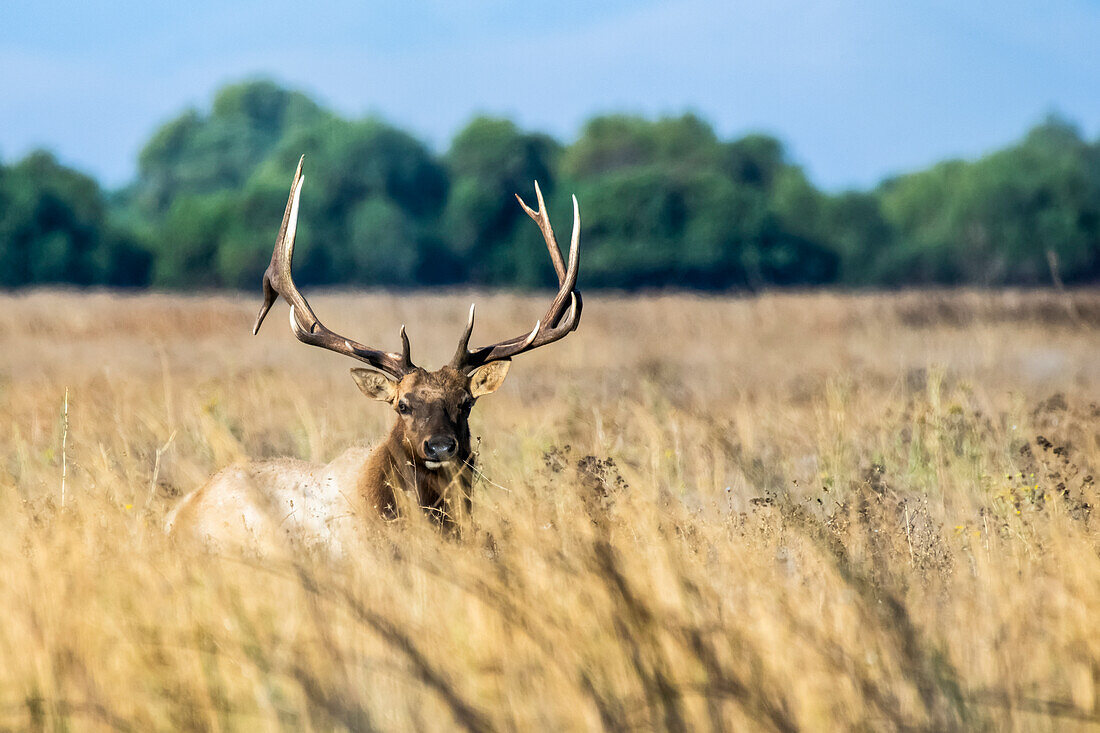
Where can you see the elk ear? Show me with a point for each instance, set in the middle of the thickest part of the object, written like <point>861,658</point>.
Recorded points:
<point>375,385</point>
<point>488,378</point>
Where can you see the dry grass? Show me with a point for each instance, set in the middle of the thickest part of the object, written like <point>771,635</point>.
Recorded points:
<point>791,512</point>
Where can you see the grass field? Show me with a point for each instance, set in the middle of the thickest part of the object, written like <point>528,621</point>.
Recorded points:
<point>798,511</point>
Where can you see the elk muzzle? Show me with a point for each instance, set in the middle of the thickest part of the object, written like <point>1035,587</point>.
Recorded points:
<point>439,450</point>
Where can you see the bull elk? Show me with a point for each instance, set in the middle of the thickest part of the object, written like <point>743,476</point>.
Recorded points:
<point>426,461</point>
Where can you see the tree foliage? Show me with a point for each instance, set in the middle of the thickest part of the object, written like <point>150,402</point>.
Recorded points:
<point>54,228</point>
<point>665,202</point>
<point>994,220</point>
<point>492,240</point>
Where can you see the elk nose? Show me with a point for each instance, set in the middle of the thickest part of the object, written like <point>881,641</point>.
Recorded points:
<point>441,448</point>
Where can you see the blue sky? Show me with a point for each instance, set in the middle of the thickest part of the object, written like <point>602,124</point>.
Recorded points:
<point>858,89</point>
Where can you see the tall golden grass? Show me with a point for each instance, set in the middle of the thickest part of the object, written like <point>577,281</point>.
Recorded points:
<point>803,511</point>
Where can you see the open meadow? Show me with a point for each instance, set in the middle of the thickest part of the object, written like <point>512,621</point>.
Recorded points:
<point>791,512</point>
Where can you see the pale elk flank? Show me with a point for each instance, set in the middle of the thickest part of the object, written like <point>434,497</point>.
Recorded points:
<point>426,460</point>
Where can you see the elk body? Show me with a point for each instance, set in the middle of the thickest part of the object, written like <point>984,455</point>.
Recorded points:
<point>426,461</point>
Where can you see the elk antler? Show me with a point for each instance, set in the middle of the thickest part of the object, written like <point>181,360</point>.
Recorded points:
<point>305,325</point>
<point>557,322</point>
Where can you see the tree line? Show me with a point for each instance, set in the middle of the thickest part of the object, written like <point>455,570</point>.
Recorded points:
<point>664,203</point>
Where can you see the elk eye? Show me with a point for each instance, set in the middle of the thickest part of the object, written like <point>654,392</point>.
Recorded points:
<point>403,407</point>
<point>467,403</point>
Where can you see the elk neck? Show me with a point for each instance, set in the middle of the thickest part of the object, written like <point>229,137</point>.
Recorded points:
<point>396,465</point>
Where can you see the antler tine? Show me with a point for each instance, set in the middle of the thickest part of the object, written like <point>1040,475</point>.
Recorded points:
<point>542,218</point>
<point>569,282</point>
<point>406,350</point>
<point>271,293</point>
<point>558,321</point>
<point>464,340</point>
<point>304,323</point>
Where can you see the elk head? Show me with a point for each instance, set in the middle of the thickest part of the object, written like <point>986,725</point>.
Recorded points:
<point>433,408</point>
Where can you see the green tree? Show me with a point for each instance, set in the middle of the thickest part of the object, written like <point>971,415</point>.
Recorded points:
<point>492,239</point>
<point>196,154</point>
<point>993,220</point>
<point>54,229</point>
<point>855,228</point>
<point>618,142</point>
<point>370,208</point>
<point>190,239</point>
<point>667,203</point>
